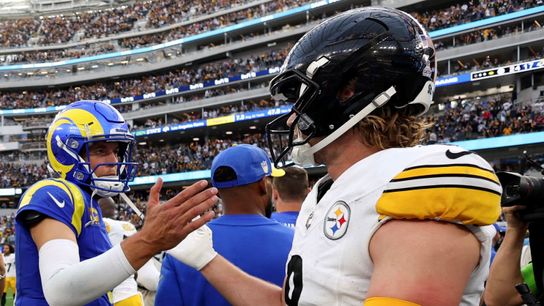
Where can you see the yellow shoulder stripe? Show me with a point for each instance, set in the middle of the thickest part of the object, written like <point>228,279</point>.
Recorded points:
<point>69,188</point>
<point>43,183</point>
<point>450,203</point>
<point>445,170</point>
<point>79,205</point>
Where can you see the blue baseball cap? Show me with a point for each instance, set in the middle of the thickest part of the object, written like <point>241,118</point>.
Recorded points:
<point>241,165</point>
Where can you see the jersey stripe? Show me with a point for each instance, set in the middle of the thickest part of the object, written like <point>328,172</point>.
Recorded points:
<point>79,204</point>
<point>446,170</point>
<point>445,181</point>
<point>465,204</point>
<point>446,175</point>
<point>70,189</point>
<point>44,183</point>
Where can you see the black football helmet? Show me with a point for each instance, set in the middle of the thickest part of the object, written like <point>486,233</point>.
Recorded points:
<point>385,51</point>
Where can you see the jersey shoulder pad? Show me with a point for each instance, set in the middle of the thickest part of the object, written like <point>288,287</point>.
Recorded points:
<point>56,198</point>
<point>446,183</point>
<point>109,224</point>
<point>128,228</point>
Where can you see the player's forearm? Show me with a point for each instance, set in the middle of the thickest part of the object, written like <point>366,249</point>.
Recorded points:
<point>138,250</point>
<point>238,287</point>
<point>505,272</point>
<point>67,281</point>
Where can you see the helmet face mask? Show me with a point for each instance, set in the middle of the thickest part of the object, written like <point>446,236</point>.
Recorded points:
<point>69,143</point>
<point>124,172</point>
<point>378,53</point>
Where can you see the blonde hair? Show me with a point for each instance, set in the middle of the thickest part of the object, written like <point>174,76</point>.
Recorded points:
<point>388,127</point>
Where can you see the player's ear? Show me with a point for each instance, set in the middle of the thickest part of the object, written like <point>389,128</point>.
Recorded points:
<point>262,186</point>
<point>275,194</point>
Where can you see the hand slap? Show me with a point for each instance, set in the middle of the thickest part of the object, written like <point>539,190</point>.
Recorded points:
<point>168,224</point>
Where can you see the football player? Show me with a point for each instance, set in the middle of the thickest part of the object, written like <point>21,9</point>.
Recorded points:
<point>9,261</point>
<point>393,223</point>
<point>126,293</point>
<point>64,256</point>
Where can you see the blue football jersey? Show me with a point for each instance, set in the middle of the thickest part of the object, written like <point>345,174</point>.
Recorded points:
<point>65,202</point>
<point>287,218</point>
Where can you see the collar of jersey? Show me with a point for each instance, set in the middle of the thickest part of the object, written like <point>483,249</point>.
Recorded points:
<point>242,220</point>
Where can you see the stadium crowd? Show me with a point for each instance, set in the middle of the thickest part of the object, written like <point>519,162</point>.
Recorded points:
<point>156,14</point>
<point>491,116</point>
<point>182,157</point>
<point>472,10</point>
<point>487,34</point>
<point>7,229</point>
<point>189,75</point>
<point>482,118</point>
<point>145,84</point>
<point>16,175</point>
<point>179,77</point>
<point>206,113</point>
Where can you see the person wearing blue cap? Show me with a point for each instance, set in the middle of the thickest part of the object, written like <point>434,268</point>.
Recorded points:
<point>244,236</point>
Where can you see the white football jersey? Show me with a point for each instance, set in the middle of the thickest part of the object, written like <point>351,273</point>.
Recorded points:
<point>117,231</point>
<point>329,263</point>
<point>9,260</point>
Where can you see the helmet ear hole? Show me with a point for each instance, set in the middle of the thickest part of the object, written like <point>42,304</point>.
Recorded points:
<point>347,91</point>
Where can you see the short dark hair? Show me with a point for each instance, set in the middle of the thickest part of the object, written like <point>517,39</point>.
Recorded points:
<point>293,186</point>
<point>11,248</point>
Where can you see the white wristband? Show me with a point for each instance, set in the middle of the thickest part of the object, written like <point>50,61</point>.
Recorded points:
<point>196,250</point>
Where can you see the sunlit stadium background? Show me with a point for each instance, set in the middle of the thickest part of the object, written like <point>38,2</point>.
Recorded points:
<point>191,78</point>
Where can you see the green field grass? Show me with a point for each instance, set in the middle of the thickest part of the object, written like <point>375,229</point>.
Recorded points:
<point>9,298</point>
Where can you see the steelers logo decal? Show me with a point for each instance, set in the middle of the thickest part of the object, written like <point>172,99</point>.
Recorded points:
<point>337,220</point>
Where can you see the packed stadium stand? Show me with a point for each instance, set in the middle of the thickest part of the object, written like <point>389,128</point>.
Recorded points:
<point>191,77</point>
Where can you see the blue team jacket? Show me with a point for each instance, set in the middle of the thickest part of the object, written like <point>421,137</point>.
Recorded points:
<point>256,244</point>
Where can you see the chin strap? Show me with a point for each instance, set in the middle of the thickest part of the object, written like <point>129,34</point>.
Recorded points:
<point>378,102</point>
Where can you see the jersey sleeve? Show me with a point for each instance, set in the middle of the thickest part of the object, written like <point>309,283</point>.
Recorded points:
<point>169,289</point>
<point>456,187</point>
<point>57,199</point>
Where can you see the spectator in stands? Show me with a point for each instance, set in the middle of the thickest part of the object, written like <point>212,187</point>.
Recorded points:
<point>256,244</point>
<point>102,23</point>
<point>156,14</point>
<point>148,84</point>
<point>288,193</point>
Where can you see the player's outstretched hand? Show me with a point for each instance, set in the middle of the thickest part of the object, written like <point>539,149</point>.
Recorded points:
<point>169,223</point>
